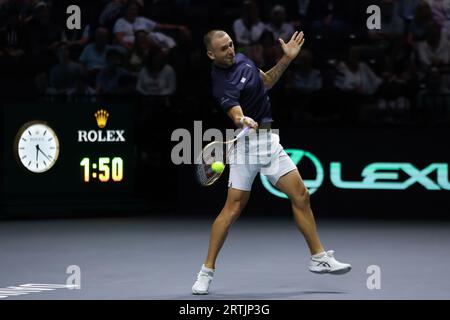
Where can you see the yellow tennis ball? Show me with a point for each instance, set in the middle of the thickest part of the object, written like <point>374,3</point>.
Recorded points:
<point>218,167</point>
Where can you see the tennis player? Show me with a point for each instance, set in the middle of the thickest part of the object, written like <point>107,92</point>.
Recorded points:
<point>241,90</point>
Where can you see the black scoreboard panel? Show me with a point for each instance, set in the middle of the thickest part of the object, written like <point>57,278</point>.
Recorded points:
<point>96,156</point>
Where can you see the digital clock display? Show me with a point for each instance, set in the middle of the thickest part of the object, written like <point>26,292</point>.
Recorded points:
<point>104,169</point>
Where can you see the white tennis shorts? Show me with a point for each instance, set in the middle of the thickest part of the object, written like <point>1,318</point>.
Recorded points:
<point>258,153</point>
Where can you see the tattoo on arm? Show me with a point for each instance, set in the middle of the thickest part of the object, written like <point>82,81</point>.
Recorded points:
<point>274,74</point>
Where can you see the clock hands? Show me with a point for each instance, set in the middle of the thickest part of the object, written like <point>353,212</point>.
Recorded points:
<point>39,150</point>
<point>45,155</point>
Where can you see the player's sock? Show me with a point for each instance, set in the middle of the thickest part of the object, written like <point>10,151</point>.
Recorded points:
<point>204,278</point>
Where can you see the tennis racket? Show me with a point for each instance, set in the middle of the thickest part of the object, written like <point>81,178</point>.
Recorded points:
<point>215,151</point>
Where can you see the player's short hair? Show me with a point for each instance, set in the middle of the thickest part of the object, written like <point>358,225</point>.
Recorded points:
<point>208,38</point>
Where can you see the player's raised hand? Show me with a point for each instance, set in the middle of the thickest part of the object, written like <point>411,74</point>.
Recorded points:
<point>293,47</point>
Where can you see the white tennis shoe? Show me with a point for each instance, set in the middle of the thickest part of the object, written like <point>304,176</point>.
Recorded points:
<point>326,263</point>
<point>204,278</point>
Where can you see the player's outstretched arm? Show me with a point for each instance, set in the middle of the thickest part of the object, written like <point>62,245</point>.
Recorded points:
<point>290,50</point>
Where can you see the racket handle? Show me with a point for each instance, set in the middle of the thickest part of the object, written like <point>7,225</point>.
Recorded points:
<point>243,132</point>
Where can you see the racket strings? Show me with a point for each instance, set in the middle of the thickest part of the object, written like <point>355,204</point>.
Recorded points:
<point>219,151</point>
<point>204,172</point>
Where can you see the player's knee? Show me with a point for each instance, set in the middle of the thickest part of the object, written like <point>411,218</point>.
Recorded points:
<point>301,199</point>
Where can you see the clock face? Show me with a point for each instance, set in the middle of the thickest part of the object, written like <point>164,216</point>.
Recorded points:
<point>37,147</point>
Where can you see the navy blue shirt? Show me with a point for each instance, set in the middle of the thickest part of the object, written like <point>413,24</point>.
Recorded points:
<point>242,85</point>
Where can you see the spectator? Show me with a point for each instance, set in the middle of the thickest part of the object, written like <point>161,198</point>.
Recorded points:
<point>81,92</point>
<point>422,18</point>
<point>356,77</point>
<point>111,13</point>
<point>441,14</point>
<point>11,39</point>
<point>434,58</point>
<point>43,38</point>
<point>303,9</point>
<point>266,53</point>
<point>278,25</point>
<point>64,75</point>
<point>356,82</point>
<point>93,56</point>
<point>125,28</point>
<point>143,45</point>
<point>328,15</point>
<point>108,79</point>
<point>28,8</point>
<point>435,51</point>
<point>304,79</point>
<point>407,8</point>
<point>249,28</point>
<point>398,86</point>
<point>76,39</point>
<point>302,85</point>
<point>157,78</point>
<point>12,52</point>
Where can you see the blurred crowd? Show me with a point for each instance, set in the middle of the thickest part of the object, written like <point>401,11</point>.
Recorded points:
<point>345,74</point>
